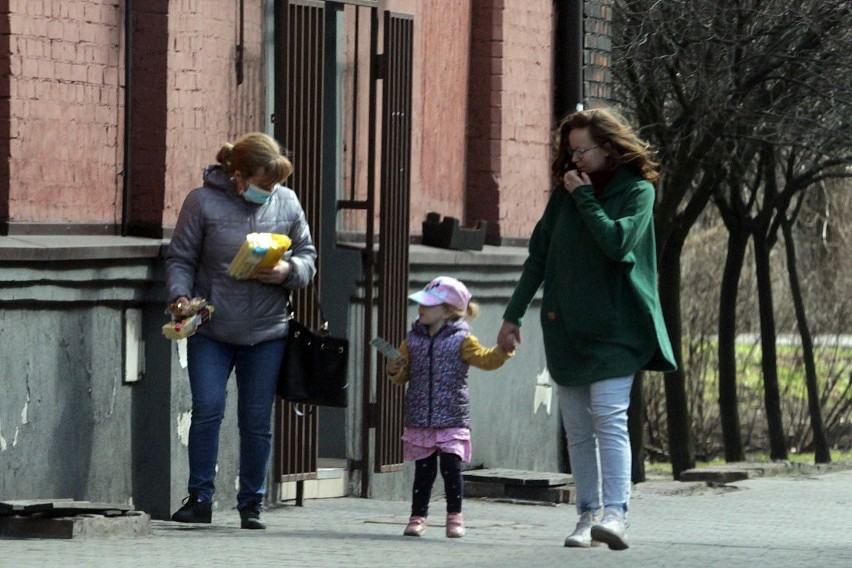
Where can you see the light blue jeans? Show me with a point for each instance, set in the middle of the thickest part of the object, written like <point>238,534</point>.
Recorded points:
<point>595,419</point>
<point>210,365</point>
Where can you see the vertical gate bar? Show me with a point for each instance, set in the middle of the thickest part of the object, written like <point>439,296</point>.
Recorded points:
<point>394,218</point>
<point>368,261</point>
<point>302,26</point>
<point>356,66</point>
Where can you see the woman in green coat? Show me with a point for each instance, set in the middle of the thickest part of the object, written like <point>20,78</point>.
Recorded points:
<point>595,254</point>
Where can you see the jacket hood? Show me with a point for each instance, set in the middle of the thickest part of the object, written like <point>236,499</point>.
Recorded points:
<point>217,177</point>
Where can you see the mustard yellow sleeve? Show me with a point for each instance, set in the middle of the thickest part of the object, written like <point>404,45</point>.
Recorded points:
<point>485,358</point>
<point>401,378</point>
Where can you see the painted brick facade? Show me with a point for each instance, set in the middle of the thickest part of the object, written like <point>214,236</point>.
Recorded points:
<point>62,141</point>
<point>205,105</point>
<point>439,146</point>
<point>482,99</point>
<point>596,54</point>
<point>510,116</point>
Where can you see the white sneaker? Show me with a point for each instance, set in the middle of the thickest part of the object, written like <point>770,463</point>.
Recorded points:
<point>582,535</point>
<point>611,529</point>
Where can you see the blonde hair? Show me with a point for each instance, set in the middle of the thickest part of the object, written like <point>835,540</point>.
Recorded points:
<point>606,128</point>
<point>254,152</point>
<point>470,313</point>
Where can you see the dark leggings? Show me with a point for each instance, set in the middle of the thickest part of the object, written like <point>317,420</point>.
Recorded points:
<point>425,472</point>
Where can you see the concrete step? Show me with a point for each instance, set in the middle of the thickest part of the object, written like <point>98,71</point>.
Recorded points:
<point>332,481</point>
<point>734,471</point>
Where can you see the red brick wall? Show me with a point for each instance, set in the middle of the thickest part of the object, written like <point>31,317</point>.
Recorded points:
<point>597,77</point>
<point>206,107</point>
<point>442,37</point>
<point>527,115</point>
<point>63,141</point>
<point>510,116</point>
<point>485,104</point>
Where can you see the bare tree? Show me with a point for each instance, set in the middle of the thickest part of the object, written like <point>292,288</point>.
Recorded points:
<point>717,87</point>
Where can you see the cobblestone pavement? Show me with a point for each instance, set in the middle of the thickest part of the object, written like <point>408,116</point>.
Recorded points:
<point>772,521</point>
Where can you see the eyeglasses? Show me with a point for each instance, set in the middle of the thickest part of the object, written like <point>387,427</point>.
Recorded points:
<point>579,153</point>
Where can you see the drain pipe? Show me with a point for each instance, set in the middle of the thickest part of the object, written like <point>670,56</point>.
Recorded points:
<point>568,42</point>
<point>128,75</point>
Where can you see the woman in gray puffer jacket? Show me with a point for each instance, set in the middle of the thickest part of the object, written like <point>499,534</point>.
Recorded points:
<point>247,333</point>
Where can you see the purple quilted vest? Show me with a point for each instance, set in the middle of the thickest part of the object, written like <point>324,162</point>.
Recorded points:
<point>437,395</point>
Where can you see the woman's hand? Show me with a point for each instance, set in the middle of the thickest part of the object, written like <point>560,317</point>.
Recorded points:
<point>180,308</point>
<point>509,337</point>
<point>275,275</point>
<point>574,179</point>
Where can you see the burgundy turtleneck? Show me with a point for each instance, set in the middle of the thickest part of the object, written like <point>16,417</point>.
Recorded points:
<point>600,180</point>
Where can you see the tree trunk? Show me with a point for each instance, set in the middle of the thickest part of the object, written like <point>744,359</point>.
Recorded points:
<point>729,415</point>
<point>769,362</point>
<point>677,408</point>
<point>636,427</point>
<point>822,453</point>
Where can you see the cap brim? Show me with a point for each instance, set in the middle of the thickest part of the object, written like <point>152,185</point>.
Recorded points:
<point>425,298</point>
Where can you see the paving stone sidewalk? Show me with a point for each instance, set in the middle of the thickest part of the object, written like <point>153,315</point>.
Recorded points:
<point>771,521</point>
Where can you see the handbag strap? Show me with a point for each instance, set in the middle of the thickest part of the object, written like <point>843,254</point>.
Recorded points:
<point>323,327</point>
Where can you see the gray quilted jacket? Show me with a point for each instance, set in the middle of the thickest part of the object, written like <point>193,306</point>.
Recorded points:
<point>211,227</point>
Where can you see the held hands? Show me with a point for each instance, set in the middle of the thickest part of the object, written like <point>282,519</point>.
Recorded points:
<point>574,179</point>
<point>275,275</point>
<point>509,337</point>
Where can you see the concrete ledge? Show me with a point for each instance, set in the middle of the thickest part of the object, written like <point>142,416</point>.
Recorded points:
<point>735,471</point>
<point>134,523</point>
<point>712,475</point>
<point>69,247</point>
<point>671,487</point>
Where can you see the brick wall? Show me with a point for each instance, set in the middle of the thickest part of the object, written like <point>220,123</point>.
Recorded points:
<point>485,109</point>
<point>597,77</point>
<point>527,115</point>
<point>62,142</point>
<point>442,34</point>
<point>205,105</point>
<point>510,115</point>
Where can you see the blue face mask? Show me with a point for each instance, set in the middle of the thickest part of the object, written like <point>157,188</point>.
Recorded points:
<point>254,194</point>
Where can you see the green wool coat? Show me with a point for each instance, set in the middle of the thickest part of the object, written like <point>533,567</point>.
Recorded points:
<point>600,312</point>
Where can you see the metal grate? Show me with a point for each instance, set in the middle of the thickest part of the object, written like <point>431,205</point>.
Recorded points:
<point>298,125</point>
<point>393,227</point>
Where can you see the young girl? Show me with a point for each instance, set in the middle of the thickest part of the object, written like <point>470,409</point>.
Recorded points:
<point>436,355</point>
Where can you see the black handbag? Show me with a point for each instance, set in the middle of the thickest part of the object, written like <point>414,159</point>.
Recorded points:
<point>315,365</point>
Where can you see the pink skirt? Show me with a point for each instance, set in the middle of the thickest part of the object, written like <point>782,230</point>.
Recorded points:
<point>419,443</point>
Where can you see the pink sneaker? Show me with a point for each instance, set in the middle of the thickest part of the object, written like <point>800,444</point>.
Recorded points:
<point>455,525</point>
<point>416,526</point>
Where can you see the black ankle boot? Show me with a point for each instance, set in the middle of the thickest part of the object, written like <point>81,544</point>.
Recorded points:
<point>194,511</point>
<point>250,517</point>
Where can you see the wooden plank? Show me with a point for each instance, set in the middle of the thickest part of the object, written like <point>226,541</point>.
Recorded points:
<point>517,477</point>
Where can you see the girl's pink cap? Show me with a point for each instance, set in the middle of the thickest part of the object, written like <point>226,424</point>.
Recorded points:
<point>443,290</point>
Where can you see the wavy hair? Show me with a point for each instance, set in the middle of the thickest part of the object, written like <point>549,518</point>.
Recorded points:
<point>606,128</point>
<point>253,152</point>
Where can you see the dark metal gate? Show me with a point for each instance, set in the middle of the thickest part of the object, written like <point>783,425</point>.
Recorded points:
<point>299,88</point>
<point>394,226</point>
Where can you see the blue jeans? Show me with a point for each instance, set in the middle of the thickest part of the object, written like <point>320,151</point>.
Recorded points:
<point>210,365</point>
<point>595,419</point>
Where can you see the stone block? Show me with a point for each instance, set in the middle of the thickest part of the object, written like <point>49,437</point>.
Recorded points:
<point>134,523</point>
<point>714,475</point>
